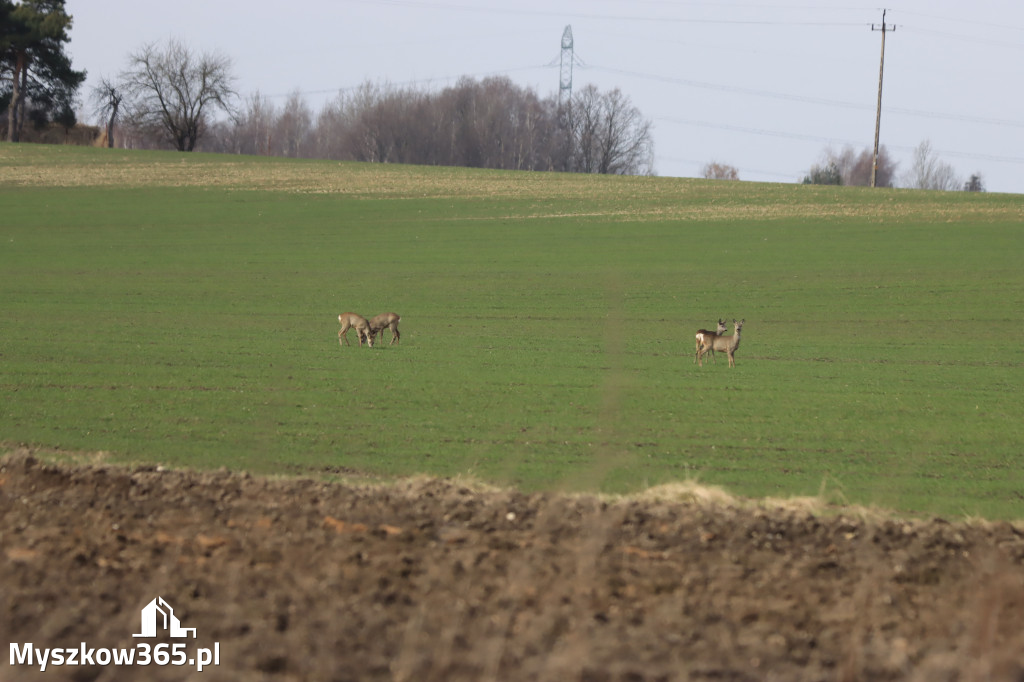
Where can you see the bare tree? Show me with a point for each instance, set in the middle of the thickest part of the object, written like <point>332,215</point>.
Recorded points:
<point>175,91</point>
<point>609,134</point>
<point>293,127</point>
<point>847,167</point>
<point>928,172</point>
<point>720,171</point>
<point>859,174</point>
<point>106,98</point>
<point>583,118</point>
<point>844,163</point>
<point>255,125</point>
<point>331,129</point>
<point>626,144</point>
<point>377,133</point>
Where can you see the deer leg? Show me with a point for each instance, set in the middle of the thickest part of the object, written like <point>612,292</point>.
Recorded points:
<point>395,336</point>
<point>343,335</point>
<point>703,355</point>
<point>701,349</point>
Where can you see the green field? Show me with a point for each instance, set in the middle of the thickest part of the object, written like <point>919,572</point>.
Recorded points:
<point>181,309</point>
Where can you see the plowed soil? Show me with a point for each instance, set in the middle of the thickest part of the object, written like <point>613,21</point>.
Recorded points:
<point>427,579</point>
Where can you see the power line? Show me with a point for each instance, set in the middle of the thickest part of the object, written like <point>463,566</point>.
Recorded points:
<point>830,140</point>
<point>728,88</point>
<point>408,83</point>
<point>965,118</point>
<point>806,99</point>
<point>961,20</point>
<point>613,17</point>
<point>752,131</point>
<point>969,39</point>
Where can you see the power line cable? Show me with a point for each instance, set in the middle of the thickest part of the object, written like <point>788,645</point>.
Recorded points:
<point>611,17</point>
<point>961,20</point>
<point>805,98</point>
<point>409,83</point>
<point>970,39</point>
<point>830,140</point>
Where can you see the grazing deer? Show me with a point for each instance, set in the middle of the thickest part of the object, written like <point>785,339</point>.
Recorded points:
<point>357,322</point>
<point>727,343</point>
<point>704,338</point>
<point>386,321</point>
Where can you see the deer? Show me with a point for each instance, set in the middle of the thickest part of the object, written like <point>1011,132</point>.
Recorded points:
<point>727,343</point>
<point>704,338</point>
<point>386,321</point>
<point>357,322</point>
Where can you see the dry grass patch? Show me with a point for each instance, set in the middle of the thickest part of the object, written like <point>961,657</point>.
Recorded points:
<point>538,195</point>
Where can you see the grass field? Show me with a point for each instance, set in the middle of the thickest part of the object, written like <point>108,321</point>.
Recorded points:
<point>182,309</point>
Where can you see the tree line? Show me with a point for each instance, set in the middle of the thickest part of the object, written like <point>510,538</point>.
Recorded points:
<point>489,123</point>
<point>927,171</point>
<point>169,96</point>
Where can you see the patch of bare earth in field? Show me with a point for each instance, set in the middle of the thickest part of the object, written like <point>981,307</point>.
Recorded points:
<point>430,579</point>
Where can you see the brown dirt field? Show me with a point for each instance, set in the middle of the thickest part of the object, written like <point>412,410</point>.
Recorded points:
<point>427,579</point>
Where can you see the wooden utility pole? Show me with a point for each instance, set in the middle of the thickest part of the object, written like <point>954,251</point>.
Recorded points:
<point>878,112</point>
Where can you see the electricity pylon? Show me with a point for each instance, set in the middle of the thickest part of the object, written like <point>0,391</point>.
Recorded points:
<point>565,81</point>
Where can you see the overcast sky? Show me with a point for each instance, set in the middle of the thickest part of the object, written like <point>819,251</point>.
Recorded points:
<point>763,86</point>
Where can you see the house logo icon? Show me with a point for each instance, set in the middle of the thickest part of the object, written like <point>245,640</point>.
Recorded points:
<point>159,611</point>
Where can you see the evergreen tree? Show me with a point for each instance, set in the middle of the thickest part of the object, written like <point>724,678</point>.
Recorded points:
<point>35,75</point>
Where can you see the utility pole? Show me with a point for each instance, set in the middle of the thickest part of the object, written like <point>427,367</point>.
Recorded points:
<point>878,113</point>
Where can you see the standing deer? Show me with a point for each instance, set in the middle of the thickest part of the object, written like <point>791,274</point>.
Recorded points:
<point>704,338</point>
<point>386,321</point>
<point>727,343</point>
<point>357,322</point>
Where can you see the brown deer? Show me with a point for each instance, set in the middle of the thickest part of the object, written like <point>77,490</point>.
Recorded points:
<point>357,322</point>
<point>727,343</point>
<point>704,338</point>
<point>386,321</point>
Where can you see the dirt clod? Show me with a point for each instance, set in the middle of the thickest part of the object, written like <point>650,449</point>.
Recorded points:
<point>430,580</point>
